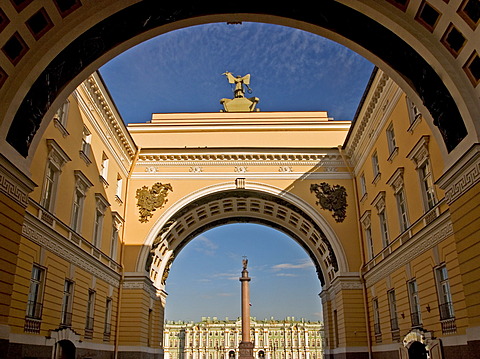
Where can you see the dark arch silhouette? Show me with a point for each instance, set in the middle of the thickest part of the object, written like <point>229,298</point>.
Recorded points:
<point>150,14</point>
<point>65,349</point>
<point>417,350</point>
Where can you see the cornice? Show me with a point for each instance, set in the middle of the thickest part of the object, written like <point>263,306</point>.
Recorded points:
<point>94,89</point>
<point>234,174</point>
<point>363,123</point>
<point>260,158</point>
<point>141,281</point>
<point>39,233</point>
<point>372,118</point>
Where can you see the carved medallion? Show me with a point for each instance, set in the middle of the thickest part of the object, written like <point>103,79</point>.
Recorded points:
<point>332,198</point>
<point>150,200</point>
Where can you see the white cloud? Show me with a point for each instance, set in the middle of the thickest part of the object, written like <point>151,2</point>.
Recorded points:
<point>228,276</point>
<point>205,245</point>
<point>224,294</point>
<point>286,275</point>
<point>307,263</point>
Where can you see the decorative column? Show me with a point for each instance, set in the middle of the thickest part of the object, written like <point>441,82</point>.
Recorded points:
<point>246,346</point>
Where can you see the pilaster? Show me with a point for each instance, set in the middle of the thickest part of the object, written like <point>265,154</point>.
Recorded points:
<point>15,187</point>
<point>461,183</point>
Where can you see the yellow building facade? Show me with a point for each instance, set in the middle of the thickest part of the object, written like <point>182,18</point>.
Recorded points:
<point>110,207</point>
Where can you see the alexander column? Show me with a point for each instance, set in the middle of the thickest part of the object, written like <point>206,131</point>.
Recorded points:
<point>246,346</point>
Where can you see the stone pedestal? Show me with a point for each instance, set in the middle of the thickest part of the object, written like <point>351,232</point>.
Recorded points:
<point>245,350</point>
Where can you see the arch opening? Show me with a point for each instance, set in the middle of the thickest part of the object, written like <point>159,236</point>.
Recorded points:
<point>417,350</point>
<point>64,349</point>
<point>242,206</point>
<point>206,272</point>
<point>98,43</point>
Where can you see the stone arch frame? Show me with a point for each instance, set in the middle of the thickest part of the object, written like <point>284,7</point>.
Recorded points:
<point>437,85</point>
<point>256,203</point>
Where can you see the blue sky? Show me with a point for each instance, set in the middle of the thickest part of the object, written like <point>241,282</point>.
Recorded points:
<point>291,70</point>
<point>204,278</point>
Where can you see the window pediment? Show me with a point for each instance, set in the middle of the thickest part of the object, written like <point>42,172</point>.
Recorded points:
<point>102,203</point>
<point>366,219</point>
<point>81,181</point>
<point>379,201</point>
<point>396,180</point>
<point>56,154</point>
<point>419,152</point>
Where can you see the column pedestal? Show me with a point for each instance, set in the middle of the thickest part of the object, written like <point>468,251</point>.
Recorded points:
<point>245,350</point>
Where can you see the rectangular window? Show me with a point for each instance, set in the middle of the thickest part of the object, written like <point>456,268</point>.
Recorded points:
<point>108,317</point>
<point>383,227</point>
<point>392,306</point>
<point>369,239</point>
<point>376,316</point>
<point>86,140</point>
<point>104,167</point>
<point>413,112</point>
<point>61,114</point>
<point>415,311</point>
<point>66,319</point>
<point>402,209</point>
<point>97,228</point>
<point>375,165</point>
<point>114,244</point>
<point>35,295</point>
<point>392,145</point>
<point>444,294</point>
<point>49,186</point>
<point>77,210</point>
<point>118,191</point>
<point>90,311</point>
<point>426,180</point>
<point>363,185</point>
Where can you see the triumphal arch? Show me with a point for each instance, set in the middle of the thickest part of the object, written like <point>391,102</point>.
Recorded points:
<point>387,208</point>
<point>234,167</point>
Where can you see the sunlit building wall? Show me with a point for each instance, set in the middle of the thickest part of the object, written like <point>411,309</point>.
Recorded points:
<point>413,286</point>
<point>71,292</point>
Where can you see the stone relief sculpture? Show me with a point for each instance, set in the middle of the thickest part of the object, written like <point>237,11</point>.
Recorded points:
<point>149,200</point>
<point>166,272</point>
<point>331,198</point>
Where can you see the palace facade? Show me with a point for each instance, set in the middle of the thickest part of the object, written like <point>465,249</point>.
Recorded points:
<point>219,339</point>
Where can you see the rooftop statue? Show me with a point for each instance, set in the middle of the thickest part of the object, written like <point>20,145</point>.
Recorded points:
<point>240,82</point>
<point>239,103</point>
